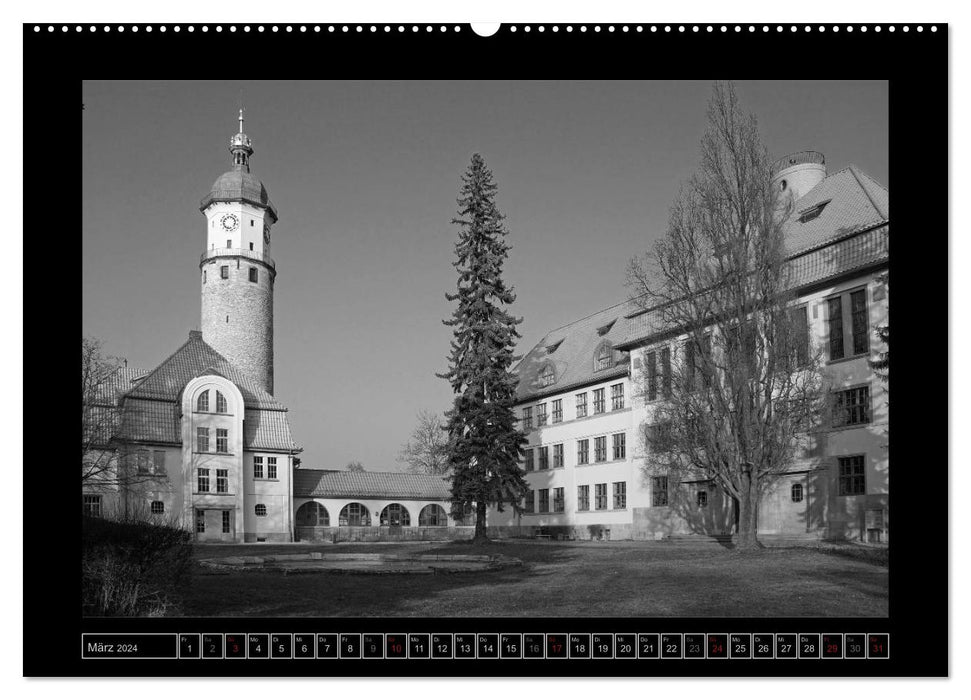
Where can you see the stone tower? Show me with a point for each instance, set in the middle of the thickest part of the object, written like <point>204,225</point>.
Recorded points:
<point>797,173</point>
<point>236,270</point>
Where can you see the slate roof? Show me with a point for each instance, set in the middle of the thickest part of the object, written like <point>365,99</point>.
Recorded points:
<point>120,380</point>
<point>850,233</point>
<point>327,483</point>
<point>238,185</point>
<point>152,408</point>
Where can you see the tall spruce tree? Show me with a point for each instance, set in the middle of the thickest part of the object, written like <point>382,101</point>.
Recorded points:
<point>485,443</point>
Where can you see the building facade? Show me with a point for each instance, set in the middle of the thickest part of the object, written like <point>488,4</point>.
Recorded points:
<point>200,442</point>
<point>582,403</point>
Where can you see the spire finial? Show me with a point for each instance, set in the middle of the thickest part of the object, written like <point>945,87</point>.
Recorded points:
<point>240,145</point>
<point>241,120</point>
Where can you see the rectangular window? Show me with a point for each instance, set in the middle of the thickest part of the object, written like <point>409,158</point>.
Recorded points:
<point>690,365</point>
<point>222,440</point>
<point>544,458</point>
<point>144,461</point>
<point>528,418</point>
<point>558,411</point>
<point>851,407</point>
<point>544,500</point>
<point>702,498</point>
<point>257,467</point>
<point>200,521</point>
<point>229,243</point>
<point>558,501</point>
<point>852,476</point>
<point>659,491</point>
<point>529,504</point>
<point>541,414</point>
<point>224,272</point>
<point>583,498</point>
<point>202,481</point>
<point>651,376</point>
<point>620,495</point>
<point>583,452</point>
<point>158,461</point>
<point>582,405</point>
<point>599,402</point>
<point>799,320</point>
<point>557,456</point>
<point>254,275</point>
<point>600,449</point>
<point>860,322</point>
<point>600,496</point>
<point>835,310</point>
<point>91,505</point>
<point>222,481</point>
<point>616,397</point>
<point>271,467</point>
<point>227,514</point>
<point>529,460</point>
<point>202,439</point>
<point>251,242</point>
<point>620,446</point>
<point>666,372</point>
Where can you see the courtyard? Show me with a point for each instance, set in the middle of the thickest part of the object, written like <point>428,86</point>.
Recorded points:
<point>557,579</point>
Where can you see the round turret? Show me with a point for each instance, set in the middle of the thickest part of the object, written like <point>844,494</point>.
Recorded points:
<point>797,173</point>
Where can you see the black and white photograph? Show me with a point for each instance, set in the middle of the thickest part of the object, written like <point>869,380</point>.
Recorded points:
<point>504,348</point>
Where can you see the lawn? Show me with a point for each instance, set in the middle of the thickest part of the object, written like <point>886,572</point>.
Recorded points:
<point>558,579</point>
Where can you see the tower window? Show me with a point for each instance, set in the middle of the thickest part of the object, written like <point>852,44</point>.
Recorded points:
<point>203,276</point>
<point>224,272</point>
<point>229,243</point>
<point>251,245</point>
<point>260,510</point>
<point>251,224</point>
<point>254,275</point>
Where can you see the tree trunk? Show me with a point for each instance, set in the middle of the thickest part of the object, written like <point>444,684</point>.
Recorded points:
<point>480,536</point>
<point>748,513</point>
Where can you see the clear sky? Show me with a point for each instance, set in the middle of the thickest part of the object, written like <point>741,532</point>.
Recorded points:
<point>365,176</point>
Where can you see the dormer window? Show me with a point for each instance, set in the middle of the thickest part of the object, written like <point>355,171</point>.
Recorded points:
<point>548,376</point>
<point>220,403</point>
<point>603,358</point>
<point>812,212</point>
<point>605,329</point>
<point>551,348</point>
<point>202,403</point>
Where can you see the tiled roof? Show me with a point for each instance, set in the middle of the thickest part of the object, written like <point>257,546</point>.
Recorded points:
<point>194,359</point>
<point>573,358</point>
<point>151,410</point>
<point>120,380</point>
<point>849,234</point>
<point>325,483</point>
<point>855,201</point>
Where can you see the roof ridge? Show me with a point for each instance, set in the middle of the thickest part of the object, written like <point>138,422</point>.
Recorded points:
<point>160,364</point>
<point>584,318</point>
<point>866,190</point>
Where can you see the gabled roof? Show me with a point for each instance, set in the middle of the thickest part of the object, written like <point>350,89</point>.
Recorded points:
<point>573,359</point>
<point>855,202</point>
<point>326,483</point>
<point>196,358</point>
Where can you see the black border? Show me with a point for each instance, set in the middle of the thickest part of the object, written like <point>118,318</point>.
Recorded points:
<point>915,63</point>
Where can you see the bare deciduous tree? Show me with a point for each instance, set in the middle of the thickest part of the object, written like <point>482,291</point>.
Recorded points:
<point>426,452</point>
<point>744,386</point>
<point>354,467</point>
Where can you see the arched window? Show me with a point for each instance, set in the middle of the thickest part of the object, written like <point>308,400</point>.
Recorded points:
<point>312,514</point>
<point>221,403</point>
<point>354,515</point>
<point>432,516</point>
<point>260,510</point>
<point>796,493</point>
<point>547,376</point>
<point>202,403</point>
<point>158,507</point>
<point>603,358</point>
<point>395,514</point>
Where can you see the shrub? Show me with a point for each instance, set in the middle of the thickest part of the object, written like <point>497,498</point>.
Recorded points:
<point>133,568</point>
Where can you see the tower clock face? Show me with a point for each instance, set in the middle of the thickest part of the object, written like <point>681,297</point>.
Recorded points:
<point>229,222</point>
<point>266,234</point>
